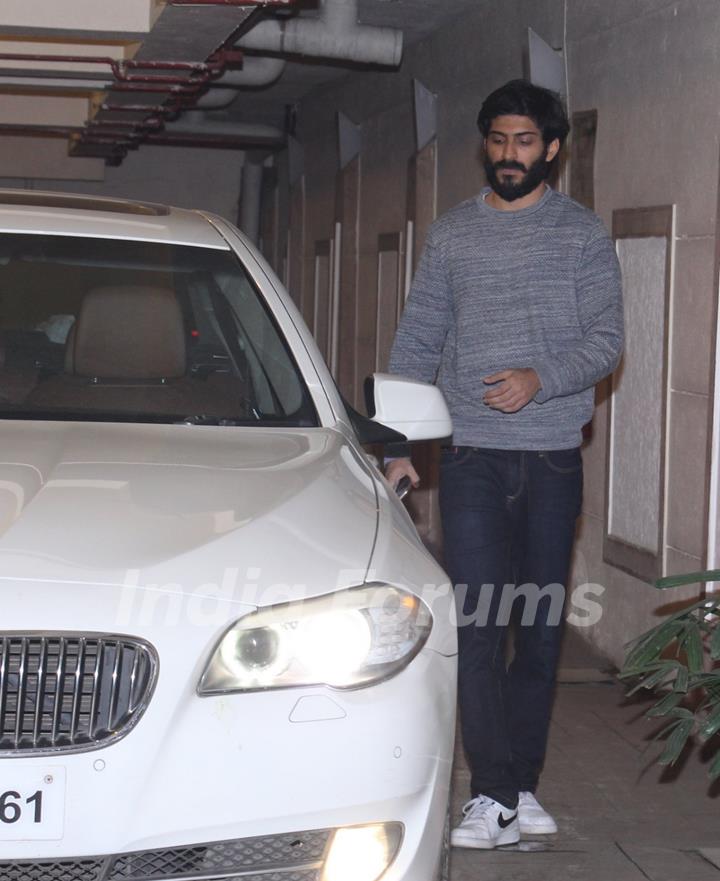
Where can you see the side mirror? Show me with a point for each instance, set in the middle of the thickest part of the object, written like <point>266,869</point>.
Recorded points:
<point>414,409</point>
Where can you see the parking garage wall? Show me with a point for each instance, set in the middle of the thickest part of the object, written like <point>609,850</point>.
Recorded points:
<point>649,68</point>
<point>181,176</point>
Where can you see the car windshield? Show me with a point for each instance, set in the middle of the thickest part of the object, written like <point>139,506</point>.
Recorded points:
<point>108,330</point>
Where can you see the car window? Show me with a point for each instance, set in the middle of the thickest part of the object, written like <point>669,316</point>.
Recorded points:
<point>108,330</point>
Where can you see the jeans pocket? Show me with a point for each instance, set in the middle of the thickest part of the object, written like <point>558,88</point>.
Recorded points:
<point>563,461</point>
<point>451,457</point>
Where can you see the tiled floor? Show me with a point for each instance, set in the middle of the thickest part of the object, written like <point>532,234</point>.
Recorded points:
<point>621,817</point>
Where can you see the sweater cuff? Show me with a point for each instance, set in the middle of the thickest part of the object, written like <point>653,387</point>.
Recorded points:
<point>545,375</point>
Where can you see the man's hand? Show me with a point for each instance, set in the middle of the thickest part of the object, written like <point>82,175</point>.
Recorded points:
<point>399,468</point>
<point>514,389</point>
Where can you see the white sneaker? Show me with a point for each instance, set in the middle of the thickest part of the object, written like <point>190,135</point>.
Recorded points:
<point>486,824</point>
<point>533,818</point>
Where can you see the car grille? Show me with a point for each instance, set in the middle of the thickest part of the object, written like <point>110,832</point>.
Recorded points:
<point>69,692</point>
<point>292,857</point>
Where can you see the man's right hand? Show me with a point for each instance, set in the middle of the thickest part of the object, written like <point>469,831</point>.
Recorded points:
<point>400,468</point>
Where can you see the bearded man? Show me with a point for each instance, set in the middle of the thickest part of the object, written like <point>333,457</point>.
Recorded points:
<point>516,313</point>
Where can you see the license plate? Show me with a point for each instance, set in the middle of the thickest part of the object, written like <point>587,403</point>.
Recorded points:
<point>32,802</point>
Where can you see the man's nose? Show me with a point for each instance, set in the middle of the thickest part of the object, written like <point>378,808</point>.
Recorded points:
<point>509,151</point>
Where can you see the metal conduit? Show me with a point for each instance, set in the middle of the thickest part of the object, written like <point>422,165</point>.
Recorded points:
<point>335,33</point>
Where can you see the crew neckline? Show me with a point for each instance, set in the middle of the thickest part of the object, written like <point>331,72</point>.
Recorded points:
<point>522,212</point>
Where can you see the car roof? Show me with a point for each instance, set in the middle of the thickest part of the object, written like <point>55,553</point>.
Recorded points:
<point>69,214</point>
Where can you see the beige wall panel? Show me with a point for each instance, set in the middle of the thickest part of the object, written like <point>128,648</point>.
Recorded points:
<point>425,195</point>
<point>180,176</point>
<point>687,483</point>
<point>643,64</point>
<point>387,145</point>
<point>651,67</point>
<point>694,299</point>
<point>629,606</point>
<point>81,15</point>
<point>678,563</point>
<point>349,184</point>
<point>635,500</point>
<point>296,243</point>
<point>365,342</point>
<point>41,158</point>
<point>594,456</point>
<point>43,110</point>
<point>26,47</point>
<point>389,283</point>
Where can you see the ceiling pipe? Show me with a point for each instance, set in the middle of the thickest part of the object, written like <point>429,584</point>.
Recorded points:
<point>194,122</point>
<point>256,72</point>
<point>335,33</point>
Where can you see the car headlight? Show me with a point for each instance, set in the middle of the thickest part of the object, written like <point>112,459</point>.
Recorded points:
<point>348,639</point>
<point>362,853</point>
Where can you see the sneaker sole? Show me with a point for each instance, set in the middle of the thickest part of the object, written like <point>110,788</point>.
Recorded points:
<point>510,836</point>
<point>538,830</point>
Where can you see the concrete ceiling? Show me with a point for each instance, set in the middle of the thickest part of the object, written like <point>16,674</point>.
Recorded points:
<point>38,95</point>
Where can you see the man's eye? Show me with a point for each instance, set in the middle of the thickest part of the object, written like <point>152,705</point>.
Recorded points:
<point>527,142</point>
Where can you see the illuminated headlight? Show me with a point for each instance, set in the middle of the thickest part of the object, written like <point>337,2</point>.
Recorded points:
<point>345,640</point>
<point>361,853</point>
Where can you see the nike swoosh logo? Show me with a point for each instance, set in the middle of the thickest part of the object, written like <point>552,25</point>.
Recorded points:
<point>503,823</point>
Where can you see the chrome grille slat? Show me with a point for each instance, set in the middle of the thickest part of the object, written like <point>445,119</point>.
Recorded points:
<point>4,681</point>
<point>77,691</point>
<point>22,689</point>
<point>71,692</point>
<point>115,693</point>
<point>96,692</point>
<point>132,703</point>
<point>59,691</point>
<point>40,693</point>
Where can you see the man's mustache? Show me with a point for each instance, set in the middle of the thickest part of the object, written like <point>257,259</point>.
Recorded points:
<point>510,165</point>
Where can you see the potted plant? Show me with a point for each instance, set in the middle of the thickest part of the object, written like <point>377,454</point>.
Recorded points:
<point>679,661</point>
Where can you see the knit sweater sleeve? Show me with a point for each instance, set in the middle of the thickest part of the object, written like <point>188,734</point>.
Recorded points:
<point>598,289</point>
<point>426,319</point>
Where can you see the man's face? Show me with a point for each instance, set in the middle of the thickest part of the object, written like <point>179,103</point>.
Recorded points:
<point>516,158</point>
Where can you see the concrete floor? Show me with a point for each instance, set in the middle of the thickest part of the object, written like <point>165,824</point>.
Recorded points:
<point>621,817</point>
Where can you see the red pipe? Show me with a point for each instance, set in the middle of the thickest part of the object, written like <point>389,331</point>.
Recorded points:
<point>116,137</point>
<point>204,70</point>
<point>232,2</point>
<point>134,108</point>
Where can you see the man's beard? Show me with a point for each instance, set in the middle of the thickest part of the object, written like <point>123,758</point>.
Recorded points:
<point>511,189</point>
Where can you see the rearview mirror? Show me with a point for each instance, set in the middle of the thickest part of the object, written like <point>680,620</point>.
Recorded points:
<point>414,409</point>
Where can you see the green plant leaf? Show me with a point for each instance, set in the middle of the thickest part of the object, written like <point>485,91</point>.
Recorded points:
<point>715,642</point>
<point>692,643</point>
<point>688,578</point>
<point>663,706</point>
<point>657,673</point>
<point>677,741</point>
<point>711,725</point>
<point>652,644</point>
<point>714,771</point>
<point>681,680</point>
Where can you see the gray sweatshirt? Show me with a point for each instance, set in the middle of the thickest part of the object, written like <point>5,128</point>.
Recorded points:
<point>539,287</point>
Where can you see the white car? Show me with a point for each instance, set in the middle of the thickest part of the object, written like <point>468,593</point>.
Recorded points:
<point>224,651</point>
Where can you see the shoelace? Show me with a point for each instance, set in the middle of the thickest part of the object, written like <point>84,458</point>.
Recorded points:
<point>476,806</point>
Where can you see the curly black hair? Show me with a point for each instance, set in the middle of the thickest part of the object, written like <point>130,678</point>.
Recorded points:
<point>522,98</point>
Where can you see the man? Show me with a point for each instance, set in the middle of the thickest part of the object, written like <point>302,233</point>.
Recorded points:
<point>515,311</point>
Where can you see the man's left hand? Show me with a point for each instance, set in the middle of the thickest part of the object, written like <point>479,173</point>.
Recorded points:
<point>514,389</point>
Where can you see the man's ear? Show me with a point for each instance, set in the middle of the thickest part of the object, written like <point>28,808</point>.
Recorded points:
<point>553,148</point>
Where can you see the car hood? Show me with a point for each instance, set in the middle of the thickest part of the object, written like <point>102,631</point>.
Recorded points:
<point>182,506</point>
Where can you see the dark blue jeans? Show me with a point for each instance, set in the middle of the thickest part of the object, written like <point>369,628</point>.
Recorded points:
<point>509,523</point>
